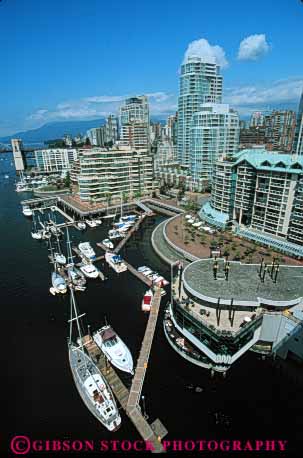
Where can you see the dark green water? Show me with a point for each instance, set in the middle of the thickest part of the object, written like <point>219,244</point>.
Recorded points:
<point>40,399</point>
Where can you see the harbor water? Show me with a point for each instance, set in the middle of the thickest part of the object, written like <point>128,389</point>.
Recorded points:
<point>256,400</point>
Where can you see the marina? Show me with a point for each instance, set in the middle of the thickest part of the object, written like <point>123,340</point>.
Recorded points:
<point>168,374</point>
<point>129,400</point>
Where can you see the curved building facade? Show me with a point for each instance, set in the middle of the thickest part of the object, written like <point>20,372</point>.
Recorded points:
<point>220,315</point>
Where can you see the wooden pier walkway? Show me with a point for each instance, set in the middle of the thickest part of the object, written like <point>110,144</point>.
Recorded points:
<point>82,256</point>
<point>137,274</point>
<point>129,234</point>
<point>153,433</point>
<point>138,380</point>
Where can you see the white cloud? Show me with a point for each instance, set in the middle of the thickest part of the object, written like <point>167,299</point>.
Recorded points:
<point>276,93</point>
<point>101,106</point>
<point>253,47</point>
<point>208,53</point>
<point>245,99</point>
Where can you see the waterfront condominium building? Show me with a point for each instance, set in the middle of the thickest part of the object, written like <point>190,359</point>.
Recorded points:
<point>134,122</point>
<point>220,310</point>
<point>109,173</point>
<point>200,82</point>
<point>214,131</point>
<point>55,159</point>
<point>260,194</point>
<point>280,130</point>
<point>298,142</point>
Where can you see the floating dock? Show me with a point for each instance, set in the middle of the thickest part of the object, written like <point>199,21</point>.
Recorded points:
<point>129,399</point>
<point>129,234</point>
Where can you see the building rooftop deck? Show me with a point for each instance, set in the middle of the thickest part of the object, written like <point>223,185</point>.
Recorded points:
<point>224,322</point>
<point>244,285</point>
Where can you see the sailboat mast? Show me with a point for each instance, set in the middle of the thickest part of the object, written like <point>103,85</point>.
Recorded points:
<point>69,249</point>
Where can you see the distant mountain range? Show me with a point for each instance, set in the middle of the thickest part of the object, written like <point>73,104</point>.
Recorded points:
<point>55,130</point>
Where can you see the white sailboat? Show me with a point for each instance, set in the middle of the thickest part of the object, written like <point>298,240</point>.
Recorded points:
<point>77,277</point>
<point>114,349</point>
<point>27,211</point>
<point>91,223</point>
<point>37,235</point>
<point>58,282</point>
<point>98,221</point>
<point>108,244</point>
<point>90,383</point>
<point>81,225</point>
<point>58,255</point>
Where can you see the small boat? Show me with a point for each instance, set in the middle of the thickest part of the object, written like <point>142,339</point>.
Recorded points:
<point>143,269</point>
<point>58,255</point>
<point>46,235</point>
<point>58,282</point>
<point>98,221</point>
<point>54,230</point>
<point>114,349</point>
<point>123,229</point>
<point>147,300</point>
<point>113,234</point>
<point>22,187</point>
<point>6,176</point>
<point>116,262</point>
<point>91,223</point>
<point>37,235</point>
<point>108,244</point>
<point>81,225</point>
<point>87,250</point>
<point>128,218</point>
<point>60,258</point>
<point>27,211</point>
<point>90,271</point>
<point>147,273</point>
<point>76,276</point>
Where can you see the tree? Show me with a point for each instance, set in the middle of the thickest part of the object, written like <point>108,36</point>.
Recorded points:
<point>67,181</point>
<point>124,196</point>
<point>87,142</point>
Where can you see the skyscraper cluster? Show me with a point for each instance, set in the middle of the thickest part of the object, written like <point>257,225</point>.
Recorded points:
<point>206,127</point>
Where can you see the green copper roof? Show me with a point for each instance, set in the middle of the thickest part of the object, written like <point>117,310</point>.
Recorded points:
<point>263,159</point>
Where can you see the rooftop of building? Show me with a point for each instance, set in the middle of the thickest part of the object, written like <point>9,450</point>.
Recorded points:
<point>273,160</point>
<point>244,284</point>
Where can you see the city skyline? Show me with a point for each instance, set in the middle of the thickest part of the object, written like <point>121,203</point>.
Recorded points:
<point>99,68</point>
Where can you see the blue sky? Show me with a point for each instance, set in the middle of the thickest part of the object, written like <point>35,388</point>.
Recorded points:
<point>77,59</point>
